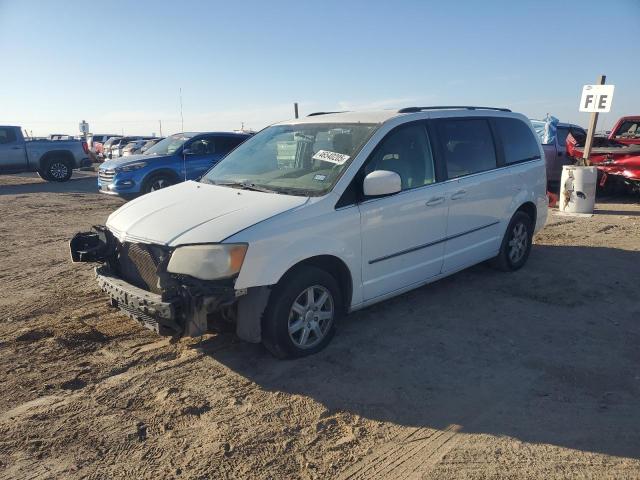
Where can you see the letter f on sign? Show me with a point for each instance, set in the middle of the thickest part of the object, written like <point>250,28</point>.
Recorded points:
<point>587,100</point>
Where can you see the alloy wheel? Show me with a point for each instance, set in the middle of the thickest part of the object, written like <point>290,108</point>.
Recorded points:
<point>518,242</point>
<point>159,184</point>
<point>58,170</point>
<point>311,316</point>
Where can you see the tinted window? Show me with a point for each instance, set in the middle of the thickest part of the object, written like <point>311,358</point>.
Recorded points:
<point>629,129</point>
<point>468,146</point>
<point>203,146</point>
<point>519,142</point>
<point>561,136</point>
<point>225,144</point>
<point>407,152</point>
<point>7,135</point>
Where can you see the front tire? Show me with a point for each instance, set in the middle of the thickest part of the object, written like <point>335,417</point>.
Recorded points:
<point>157,182</point>
<point>303,310</point>
<point>57,170</point>
<point>516,244</point>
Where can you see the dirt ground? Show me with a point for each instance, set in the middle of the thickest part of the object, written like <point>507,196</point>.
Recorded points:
<point>534,374</point>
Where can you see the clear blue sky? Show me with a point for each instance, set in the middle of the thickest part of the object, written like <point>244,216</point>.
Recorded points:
<point>120,65</point>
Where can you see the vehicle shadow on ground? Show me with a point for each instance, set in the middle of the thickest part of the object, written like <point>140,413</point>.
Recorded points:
<point>547,355</point>
<point>79,185</point>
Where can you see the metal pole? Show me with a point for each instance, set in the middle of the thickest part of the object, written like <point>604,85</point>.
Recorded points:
<point>295,109</point>
<point>592,128</point>
<point>160,122</point>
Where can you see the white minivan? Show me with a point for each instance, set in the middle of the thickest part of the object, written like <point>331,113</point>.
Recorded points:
<point>316,217</point>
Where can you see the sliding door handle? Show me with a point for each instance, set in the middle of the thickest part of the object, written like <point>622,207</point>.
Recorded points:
<point>459,194</point>
<point>434,201</point>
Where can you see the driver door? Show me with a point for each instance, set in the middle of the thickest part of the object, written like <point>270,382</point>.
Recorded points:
<point>200,157</point>
<point>403,234</point>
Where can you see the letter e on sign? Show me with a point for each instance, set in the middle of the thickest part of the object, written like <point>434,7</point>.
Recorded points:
<point>596,98</point>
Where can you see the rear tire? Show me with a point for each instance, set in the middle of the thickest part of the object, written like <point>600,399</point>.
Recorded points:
<point>516,244</point>
<point>43,175</point>
<point>157,182</point>
<point>58,170</point>
<point>302,313</point>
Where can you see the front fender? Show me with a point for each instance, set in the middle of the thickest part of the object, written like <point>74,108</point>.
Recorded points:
<point>276,247</point>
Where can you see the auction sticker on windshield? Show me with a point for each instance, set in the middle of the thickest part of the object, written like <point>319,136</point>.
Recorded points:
<point>333,157</point>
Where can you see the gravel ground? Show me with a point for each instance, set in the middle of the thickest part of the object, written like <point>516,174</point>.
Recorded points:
<point>534,374</point>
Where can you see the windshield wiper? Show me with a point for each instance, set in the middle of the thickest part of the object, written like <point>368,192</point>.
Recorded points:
<point>243,185</point>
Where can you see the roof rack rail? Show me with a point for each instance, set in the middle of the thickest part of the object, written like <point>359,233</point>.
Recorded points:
<point>315,114</point>
<point>449,107</point>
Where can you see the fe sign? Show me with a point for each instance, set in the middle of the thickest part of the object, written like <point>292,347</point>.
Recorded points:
<point>596,98</point>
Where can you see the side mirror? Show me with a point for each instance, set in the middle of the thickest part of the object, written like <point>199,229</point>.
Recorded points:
<point>381,182</point>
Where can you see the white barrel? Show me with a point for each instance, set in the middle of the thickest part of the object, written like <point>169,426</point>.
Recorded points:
<point>578,189</point>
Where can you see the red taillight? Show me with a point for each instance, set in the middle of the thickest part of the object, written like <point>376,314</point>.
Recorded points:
<point>85,147</point>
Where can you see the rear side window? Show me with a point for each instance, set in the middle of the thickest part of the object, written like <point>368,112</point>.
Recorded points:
<point>518,140</point>
<point>467,145</point>
<point>225,144</point>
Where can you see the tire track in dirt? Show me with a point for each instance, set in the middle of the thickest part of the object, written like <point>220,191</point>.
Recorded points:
<point>407,456</point>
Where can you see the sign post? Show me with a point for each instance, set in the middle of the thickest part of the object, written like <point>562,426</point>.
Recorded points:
<point>595,99</point>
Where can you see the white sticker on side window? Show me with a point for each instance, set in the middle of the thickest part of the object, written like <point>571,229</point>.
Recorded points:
<point>332,157</point>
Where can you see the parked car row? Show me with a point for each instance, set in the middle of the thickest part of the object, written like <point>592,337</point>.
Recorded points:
<point>179,157</point>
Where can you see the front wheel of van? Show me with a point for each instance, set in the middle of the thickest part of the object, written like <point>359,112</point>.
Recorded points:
<point>301,317</point>
<point>516,244</point>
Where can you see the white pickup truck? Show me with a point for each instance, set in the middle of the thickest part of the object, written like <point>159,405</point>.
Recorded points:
<point>54,160</point>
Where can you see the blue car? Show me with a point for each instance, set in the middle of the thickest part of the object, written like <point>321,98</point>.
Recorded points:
<point>183,156</point>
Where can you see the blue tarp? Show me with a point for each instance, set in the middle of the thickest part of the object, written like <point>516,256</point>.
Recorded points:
<point>546,129</point>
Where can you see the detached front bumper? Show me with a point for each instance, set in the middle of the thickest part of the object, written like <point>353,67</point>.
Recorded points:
<point>147,308</point>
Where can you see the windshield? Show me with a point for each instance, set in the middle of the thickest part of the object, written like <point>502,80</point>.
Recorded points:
<point>303,159</point>
<point>169,145</point>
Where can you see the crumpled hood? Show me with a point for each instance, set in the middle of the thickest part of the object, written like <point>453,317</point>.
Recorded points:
<point>193,212</point>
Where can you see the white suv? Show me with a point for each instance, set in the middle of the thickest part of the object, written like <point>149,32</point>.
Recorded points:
<point>314,218</point>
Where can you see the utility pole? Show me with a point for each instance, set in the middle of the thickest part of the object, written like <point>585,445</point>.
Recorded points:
<point>295,109</point>
<point>592,128</point>
<point>160,123</point>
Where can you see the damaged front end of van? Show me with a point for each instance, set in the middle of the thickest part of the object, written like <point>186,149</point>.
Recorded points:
<point>147,282</point>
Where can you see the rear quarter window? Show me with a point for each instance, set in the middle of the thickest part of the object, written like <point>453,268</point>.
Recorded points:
<point>518,140</point>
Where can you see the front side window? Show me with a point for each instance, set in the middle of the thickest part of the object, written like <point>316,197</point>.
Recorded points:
<point>518,141</point>
<point>468,146</point>
<point>203,146</point>
<point>406,151</point>
<point>300,159</point>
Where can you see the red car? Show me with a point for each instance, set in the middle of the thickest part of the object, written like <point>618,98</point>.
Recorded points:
<point>617,156</point>
<point>626,130</point>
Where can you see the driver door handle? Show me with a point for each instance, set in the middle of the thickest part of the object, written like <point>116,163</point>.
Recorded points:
<point>459,194</point>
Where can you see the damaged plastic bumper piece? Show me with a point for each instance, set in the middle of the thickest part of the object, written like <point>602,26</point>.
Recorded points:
<point>147,308</point>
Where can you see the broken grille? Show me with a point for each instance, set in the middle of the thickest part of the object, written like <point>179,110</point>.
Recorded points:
<point>138,265</point>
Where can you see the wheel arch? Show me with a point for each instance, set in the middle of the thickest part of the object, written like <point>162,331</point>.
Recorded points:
<point>531,210</point>
<point>335,267</point>
<point>161,171</point>
<point>56,154</point>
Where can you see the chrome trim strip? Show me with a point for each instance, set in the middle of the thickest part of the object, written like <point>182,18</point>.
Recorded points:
<point>431,244</point>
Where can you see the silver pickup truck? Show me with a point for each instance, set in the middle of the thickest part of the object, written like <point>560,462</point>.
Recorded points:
<point>54,160</point>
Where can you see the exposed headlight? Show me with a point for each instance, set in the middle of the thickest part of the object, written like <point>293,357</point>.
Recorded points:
<point>131,167</point>
<point>208,262</point>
